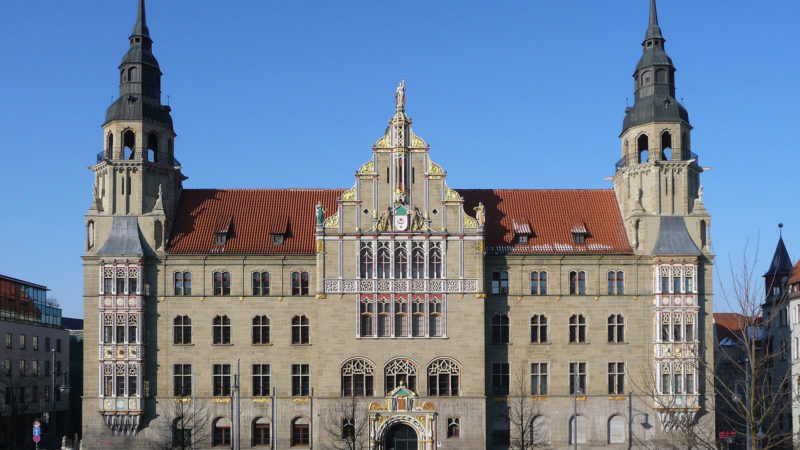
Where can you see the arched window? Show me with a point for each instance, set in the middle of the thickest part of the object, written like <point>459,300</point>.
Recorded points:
<point>581,430</point>
<point>418,317</point>
<point>222,330</point>
<point>400,262</point>
<point>703,233</point>
<point>300,330</point>
<point>183,283</point>
<point>453,427</point>
<point>132,74</point>
<point>417,260</point>
<point>152,148</point>
<point>367,314</point>
<point>538,329</point>
<point>540,431</point>
<point>435,261</point>
<point>90,234</point>
<point>300,283</point>
<point>616,430</point>
<point>128,144</point>
<point>444,377</point>
<point>182,432</point>
<point>221,432</point>
<point>435,319</point>
<point>109,145</point>
<point>399,371</point>
<point>261,432</point>
<point>538,282</point>
<point>301,432</point>
<point>366,261</point>
<point>182,330</point>
<point>686,150</point>
<point>222,283</point>
<point>358,378</point>
<point>577,282</point>
<point>666,146</point>
<point>384,317</point>
<point>261,283</point>
<point>616,328</point>
<point>500,282</point>
<point>577,329</point>
<point>260,330</point>
<point>400,316</point>
<point>500,329</point>
<point>384,260</point>
<point>642,148</point>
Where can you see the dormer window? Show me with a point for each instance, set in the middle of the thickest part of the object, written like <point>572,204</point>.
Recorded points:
<point>277,239</point>
<point>220,238</point>
<point>579,234</point>
<point>522,231</point>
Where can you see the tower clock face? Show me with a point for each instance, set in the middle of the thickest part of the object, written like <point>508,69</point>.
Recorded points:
<point>401,222</point>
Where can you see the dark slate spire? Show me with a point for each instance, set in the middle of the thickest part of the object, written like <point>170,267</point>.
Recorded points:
<point>140,79</point>
<point>653,31</point>
<point>140,29</point>
<point>654,82</point>
<point>781,264</point>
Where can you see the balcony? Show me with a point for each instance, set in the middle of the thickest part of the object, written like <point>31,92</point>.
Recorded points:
<point>633,159</point>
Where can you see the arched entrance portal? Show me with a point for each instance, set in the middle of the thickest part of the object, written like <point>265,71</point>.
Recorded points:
<point>400,437</point>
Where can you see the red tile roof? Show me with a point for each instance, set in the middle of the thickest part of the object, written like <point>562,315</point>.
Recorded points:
<point>795,278</point>
<point>551,214</point>
<point>249,216</point>
<point>731,325</point>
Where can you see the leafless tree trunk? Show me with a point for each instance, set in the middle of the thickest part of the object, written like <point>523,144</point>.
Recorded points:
<point>528,428</point>
<point>347,424</point>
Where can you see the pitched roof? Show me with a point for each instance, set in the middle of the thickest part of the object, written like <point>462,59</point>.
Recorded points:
<point>551,214</point>
<point>795,278</point>
<point>250,215</point>
<point>781,264</point>
<point>729,326</point>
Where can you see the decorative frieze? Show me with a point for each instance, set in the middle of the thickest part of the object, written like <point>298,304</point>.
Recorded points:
<point>354,286</point>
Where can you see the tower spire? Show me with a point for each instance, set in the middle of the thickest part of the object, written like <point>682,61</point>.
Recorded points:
<point>140,28</point>
<point>653,30</point>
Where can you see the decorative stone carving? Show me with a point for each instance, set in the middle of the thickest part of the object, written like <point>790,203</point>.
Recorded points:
<point>332,221</point>
<point>367,168</point>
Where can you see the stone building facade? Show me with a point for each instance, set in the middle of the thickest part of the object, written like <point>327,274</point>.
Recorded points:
<point>399,310</point>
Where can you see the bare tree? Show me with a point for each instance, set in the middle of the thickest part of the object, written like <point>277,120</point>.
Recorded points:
<point>184,425</point>
<point>527,426</point>
<point>347,424</point>
<point>753,377</point>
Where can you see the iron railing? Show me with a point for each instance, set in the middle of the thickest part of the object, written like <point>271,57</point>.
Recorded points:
<point>102,156</point>
<point>633,158</point>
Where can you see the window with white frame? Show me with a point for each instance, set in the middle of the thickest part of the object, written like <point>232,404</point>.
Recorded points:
<point>435,261</point>
<point>538,282</point>
<point>366,260</point>
<point>261,283</point>
<point>444,376</point>
<point>616,378</point>
<point>577,329</point>
<point>616,328</point>
<point>616,282</point>
<point>577,282</point>
<point>677,377</point>
<point>538,329</point>
<point>358,378</point>
<point>400,261</point>
<point>182,283</point>
<point>539,378</point>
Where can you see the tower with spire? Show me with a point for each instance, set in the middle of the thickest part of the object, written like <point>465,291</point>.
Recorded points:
<point>658,174</point>
<point>137,182</point>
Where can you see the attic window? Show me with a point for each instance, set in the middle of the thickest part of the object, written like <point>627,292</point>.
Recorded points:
<point>277,239</point>
<point>522,231</point>
<point>579,234</point>
<point>220,238</point>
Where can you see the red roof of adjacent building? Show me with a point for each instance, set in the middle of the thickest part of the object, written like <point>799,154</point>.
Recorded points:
<point>731,325</point>
<point>248,217</point>
<point>551,216</point>
<point>795,278</point>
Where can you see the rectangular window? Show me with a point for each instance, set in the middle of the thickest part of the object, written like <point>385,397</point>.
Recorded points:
<point>300,434</point>
<point>120,333</point>
<point>678,389</point>
<point>300,380</point>
<point>689,284</point>
<point>132,386</point>
<point>616,378</point>
<point>35,369</point>
<point>22,367</point>
<point>665,383</point>
<point>539,378</point>
<point>7,367</point>
<point>47,369</point>
<point>577,377</point>
<point>120,286</point>
<point>260,380</point>
<point>665,284</point>
<point>35,343</point>
<point>58,345</point>
<point>22,342</point>
<point>690,383</point>
<point>676,284</point>
<point>120,385</point>
<point>108,285</point>
<point>132,334</point>
<point>222,380</point>
<point>182,380</point>
<point>9,339</point>
<point>261,434</point>
<point>47,343</point>
<point>500,380</point>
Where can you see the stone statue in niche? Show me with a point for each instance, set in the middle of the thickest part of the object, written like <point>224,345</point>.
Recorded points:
<point>383,220</point>
<point>417,223</point>
<point>480,214</point>
<point>320,211</point>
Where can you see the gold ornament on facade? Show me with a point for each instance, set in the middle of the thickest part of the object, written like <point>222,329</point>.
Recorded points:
<point>482,246</point>
<point>349,195</point>
<point>332,221</point>
<point>470,222</point>
<point>321,296</point>
<point>368,168</point>
<point>320,246</point>
<point>428,406</point>
<point>417,142</point>
<point>384,142</point>
<point>434,169</point>
<point>452,195</point>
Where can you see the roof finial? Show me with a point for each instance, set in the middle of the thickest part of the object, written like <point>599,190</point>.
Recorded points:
<point>141,22</point>
<point>653,30</point>
<point>780,229</point>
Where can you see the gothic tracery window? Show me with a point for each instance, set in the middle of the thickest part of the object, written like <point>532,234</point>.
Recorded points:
<point>384,260</point>
<point>444,377</point>
<point>435,261</point>
<point>399,371</point>
<point>417,260</point>
<point>358,378</point>
<point>400,262</point>
<point>366,260</point>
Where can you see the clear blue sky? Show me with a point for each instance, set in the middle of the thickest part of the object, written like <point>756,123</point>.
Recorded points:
<point>293,94</point>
